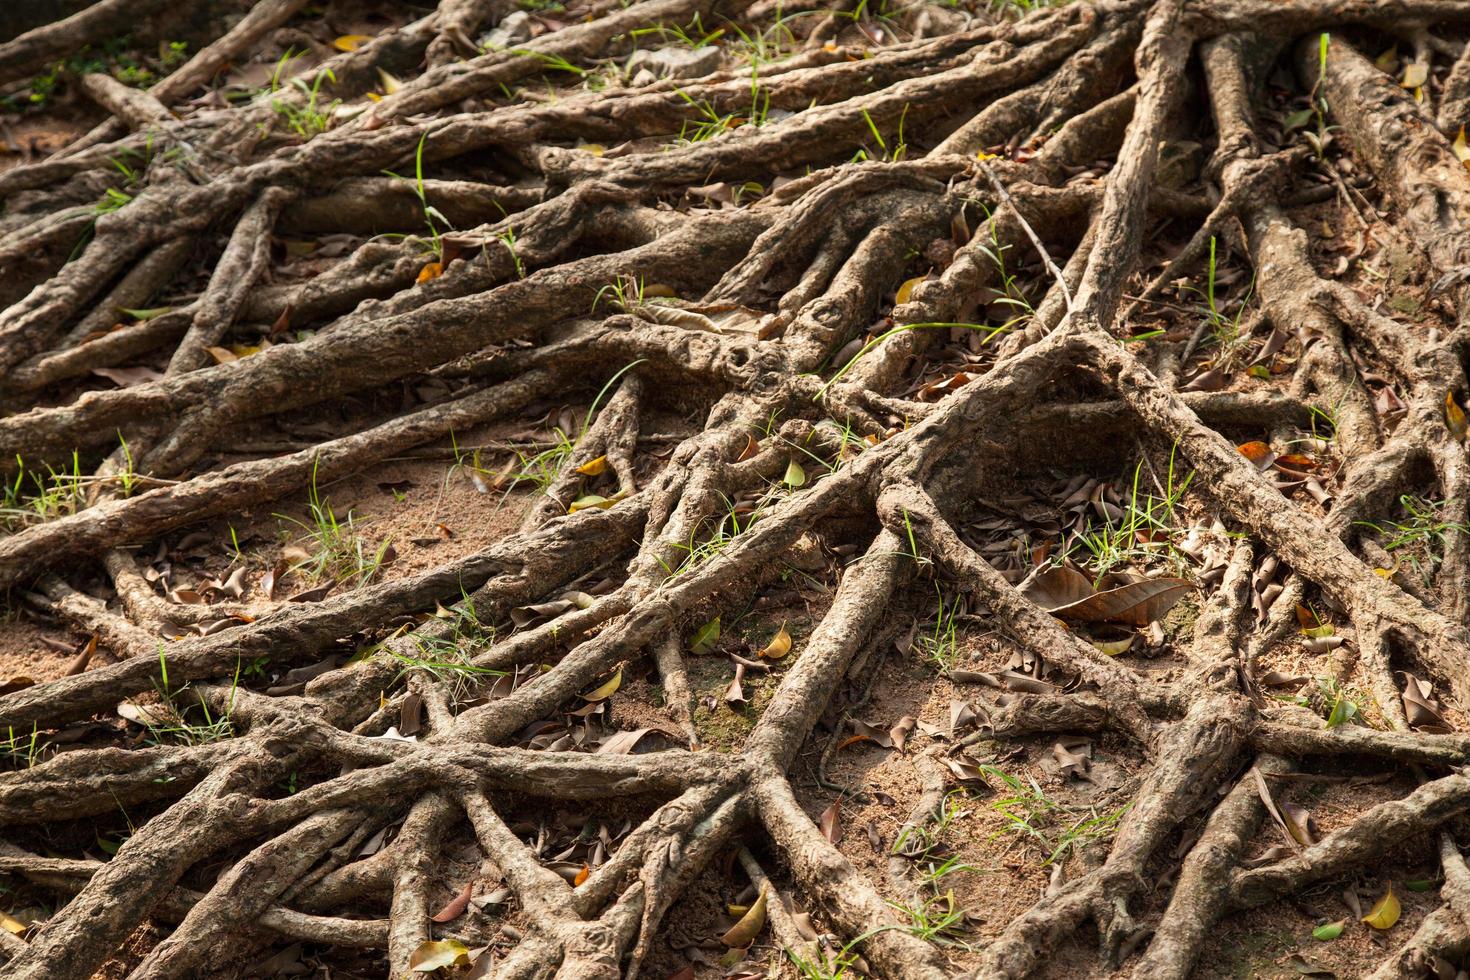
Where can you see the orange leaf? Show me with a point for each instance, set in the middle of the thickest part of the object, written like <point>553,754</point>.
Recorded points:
<point>1257,452</point>
<point>581,876</point>
<point>431,271</point>
<point>1454,417</point>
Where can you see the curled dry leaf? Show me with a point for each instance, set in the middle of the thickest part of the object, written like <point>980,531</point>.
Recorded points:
<point>437,954</point>
<point>779,646</point>
<point>899,733</point>
<point>1421,710</point>
<point>83,657</point>
<point>606,690</point>
<point>1454,417</point>
<point>961,715</point>
<point>456,905</point>
<point>1461,148</point>
<point>743,933</point>
<point>735,693</point>
<point>1299,824</point>
<point>1065,592</point>
<point>871,733</point>
<point>831,822</point>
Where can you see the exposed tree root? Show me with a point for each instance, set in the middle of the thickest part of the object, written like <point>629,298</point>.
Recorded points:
<point>833,330</point>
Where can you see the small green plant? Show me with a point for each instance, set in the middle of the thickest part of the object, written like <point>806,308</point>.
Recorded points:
<point>508,239</point>
<point>1231,345</point>
<point>312,117</point>
<point>435,245</point>
<point>693,35</point>
<point>23,750</point>
<point>1142,533</point>
<point>112,200</point>
<point>939,920</point>
<point>1318,111</point>
<point>127,477</point>
<point>542,469</point>
<point>900,148</point>
<point>940,642</point>
<point>33,498</point>
<point>701,548</point>
<point>707,124</point>
<point>1034,816</point>
<point>624,292</point>
<point>169,724</point>
<point>1421,536</point>
<point>338,551</point>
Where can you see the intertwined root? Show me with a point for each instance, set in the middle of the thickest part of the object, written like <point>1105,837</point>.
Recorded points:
<point>816,405</point>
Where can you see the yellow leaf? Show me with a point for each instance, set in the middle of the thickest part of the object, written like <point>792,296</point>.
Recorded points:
<point>982,155</point>
<point>1385,912</point>
<point>590,501</point>
<point>351,42</point>
<point>434,955</point>
<point>1416,73</point>
<point>743,933</point>
<point>12,925</point>
<point>596,149</point>
<point>1386,572</point>
<point>1113,648</point>
<point>222,355</point>
<point>374,96</point>
<point>593,467</point>
<point>1387,60</point>
<point>433,270</point>
<point>1454,417</point>
<point>907,290</point>
<point>657,289</point>
<point>390,83</point>
<point>607,690</point>
<point>795,475</point>
<point>779,646</point>
<point>1461,148</point>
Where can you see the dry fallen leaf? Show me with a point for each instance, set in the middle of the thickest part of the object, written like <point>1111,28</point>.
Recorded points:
<point>434,955</point>
<point>456,906</point>
<point>779,646</point>
<point>831,822</point>
<point>606,690</point>
<point>743,933</point>
<point>1454,417</point>
<point>1385,911</point>
<point>593,467</point>
<point>351,42</point>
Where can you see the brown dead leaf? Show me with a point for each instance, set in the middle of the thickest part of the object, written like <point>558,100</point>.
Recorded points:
<point>1421,710</point>
<point>1136,604</point>
<point>83,657</point>
<point>456,905</point>
<point>831,822</point>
